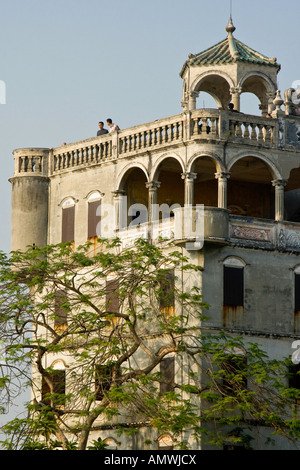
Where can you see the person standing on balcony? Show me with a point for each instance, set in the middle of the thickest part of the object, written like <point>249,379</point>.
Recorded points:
<point>101,129</point>
<point>113,127</point>
<point>231,108</point>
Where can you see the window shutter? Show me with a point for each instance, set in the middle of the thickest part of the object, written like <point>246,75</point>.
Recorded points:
<point>60,309</point>
<point>68,223</point>
<point>166,294</point>
<point>233,290</point>
<point>167,370</point>
<point>112,298</point>
<point>93,218</point>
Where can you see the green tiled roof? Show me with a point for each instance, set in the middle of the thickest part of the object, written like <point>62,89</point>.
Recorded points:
<point>229,51</point>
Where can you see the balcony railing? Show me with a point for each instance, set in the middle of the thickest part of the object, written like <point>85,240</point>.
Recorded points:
<point>204,124</point>
<point>218,226</point>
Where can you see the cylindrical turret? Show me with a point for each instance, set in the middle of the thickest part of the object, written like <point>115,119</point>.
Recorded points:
<point>30,186</point>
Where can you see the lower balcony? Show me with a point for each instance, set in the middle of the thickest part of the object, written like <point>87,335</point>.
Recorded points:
<point>201,224</point>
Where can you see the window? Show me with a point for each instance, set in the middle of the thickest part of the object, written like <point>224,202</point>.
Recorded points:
<point>94,215</point>
<point>68,221</point>
<point>166,293</point>
<point>233,283</point>
<point>112,296</point>
<point>167,371</point>
<point>294,378</point>
<point>60,310</point>
<point>103,377</point>
<point>56,387</point>
<point>297,292</point>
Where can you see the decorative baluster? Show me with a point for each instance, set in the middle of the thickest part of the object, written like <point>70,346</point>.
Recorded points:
<point>213,129</point>
<point>246,132</point>
<point>253,135</point>
<point>260,137</point>
<point>238,129</point>
<point>267,133</point>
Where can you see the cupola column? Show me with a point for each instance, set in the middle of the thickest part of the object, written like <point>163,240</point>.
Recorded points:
<point>279,199</point>
<point>236,97</point>
<point>222,178</point>
<point>193,95</point>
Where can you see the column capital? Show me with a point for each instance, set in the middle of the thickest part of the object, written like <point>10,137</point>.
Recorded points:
<point>189,176</point>
<point>152,185</point>
<point>222,175</point>
<point>119,192</point>
<point>279,183</point>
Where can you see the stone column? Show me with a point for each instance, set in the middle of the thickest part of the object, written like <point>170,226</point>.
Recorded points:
<point>152,199</point>
<point>193,95</point>
<point>189,179</point>
<point>120,207</point>
<point>235,97</point>
<point>279,199</point>
<point>222,178</point>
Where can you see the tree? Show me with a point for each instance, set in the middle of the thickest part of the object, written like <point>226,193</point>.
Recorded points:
<point>105,336</point>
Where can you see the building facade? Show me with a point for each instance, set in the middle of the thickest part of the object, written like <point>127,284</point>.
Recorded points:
<point>242,171</point>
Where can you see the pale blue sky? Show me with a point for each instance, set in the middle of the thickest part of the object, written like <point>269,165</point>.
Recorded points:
<point>69,63</point>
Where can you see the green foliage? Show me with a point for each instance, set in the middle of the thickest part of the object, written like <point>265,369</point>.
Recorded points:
<point>55,305</point>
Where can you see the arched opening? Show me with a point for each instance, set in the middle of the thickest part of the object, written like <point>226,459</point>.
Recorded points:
<point>206,101</point>
<point>250,191</point>
<point>170,193</point>
<point>250,104</point>
<point>217,87</point>
<point>261,87</point>
<point>134,186</point>
<point>206,184</point>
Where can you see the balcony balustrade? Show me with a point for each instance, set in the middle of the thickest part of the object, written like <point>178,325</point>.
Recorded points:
<point>223,126</point>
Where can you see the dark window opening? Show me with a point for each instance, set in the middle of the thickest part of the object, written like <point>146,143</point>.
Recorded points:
<point>58,388</point>
<point>233,291</point>
<point>297,292</point>
<point>103,378</point>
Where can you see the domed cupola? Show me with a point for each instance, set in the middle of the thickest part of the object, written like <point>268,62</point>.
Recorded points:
<point>228,69</point>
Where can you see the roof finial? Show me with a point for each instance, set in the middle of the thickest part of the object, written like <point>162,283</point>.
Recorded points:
<point>230,28</point>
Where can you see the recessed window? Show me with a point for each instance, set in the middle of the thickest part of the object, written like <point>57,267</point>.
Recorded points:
<point>54,385</point>
<point>233,283</point>
<point>103,378</point>
<point>68,221</point>
<point>94,215</point>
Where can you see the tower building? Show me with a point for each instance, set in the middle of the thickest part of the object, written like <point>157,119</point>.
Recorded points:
<point>242,170</point>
